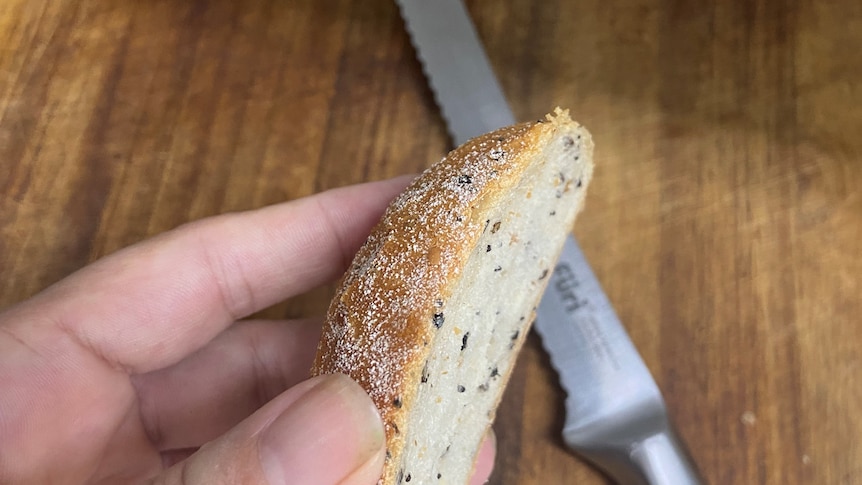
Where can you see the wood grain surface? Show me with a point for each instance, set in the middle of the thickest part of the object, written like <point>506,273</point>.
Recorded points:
<point>724,221</point>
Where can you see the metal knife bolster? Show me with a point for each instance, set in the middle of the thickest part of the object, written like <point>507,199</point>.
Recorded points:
<point>615,414</point>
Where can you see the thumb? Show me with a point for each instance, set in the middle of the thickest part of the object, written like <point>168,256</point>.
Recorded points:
<point>323,431</point>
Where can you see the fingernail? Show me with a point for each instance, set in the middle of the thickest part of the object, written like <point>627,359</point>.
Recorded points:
<point>324,436</point>
<point>485,460</point>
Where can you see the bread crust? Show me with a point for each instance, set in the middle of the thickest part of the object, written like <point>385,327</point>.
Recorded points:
<point>390,303</point>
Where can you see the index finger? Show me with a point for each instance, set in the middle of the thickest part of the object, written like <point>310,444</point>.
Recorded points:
<point>149,305</point>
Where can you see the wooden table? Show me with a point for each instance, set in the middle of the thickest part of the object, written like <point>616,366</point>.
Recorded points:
<point>725,219</point>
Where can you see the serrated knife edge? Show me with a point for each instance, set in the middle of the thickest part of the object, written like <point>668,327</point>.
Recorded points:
<point>483,110</point>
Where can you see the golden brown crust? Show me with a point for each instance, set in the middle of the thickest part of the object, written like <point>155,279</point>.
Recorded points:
<point>384,314</point>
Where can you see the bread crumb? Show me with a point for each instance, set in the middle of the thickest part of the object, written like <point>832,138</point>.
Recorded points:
<point>806,460</point>
<point>748,418</point>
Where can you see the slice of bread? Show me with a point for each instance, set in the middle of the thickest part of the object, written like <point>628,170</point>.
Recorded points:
<point>437,303</point>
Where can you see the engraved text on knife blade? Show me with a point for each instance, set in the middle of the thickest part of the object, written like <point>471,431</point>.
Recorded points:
<point>565,284</point>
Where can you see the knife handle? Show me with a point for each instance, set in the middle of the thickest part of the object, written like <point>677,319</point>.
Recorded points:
<point>662,460</point>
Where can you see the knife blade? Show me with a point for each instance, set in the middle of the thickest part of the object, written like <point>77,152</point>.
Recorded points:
<point>615,414</point>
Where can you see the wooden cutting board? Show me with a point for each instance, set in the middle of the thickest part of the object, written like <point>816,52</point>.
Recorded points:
<point>725,219</point>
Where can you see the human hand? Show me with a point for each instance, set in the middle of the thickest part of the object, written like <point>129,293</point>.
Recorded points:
<point>135,368</point>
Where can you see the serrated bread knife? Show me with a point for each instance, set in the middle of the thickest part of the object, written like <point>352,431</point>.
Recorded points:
<point>615,415</point>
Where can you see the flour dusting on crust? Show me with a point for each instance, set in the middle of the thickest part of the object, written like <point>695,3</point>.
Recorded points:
<point>394,279</point>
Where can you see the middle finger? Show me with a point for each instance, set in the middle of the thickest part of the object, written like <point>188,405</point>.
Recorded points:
<point>206,394</point>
